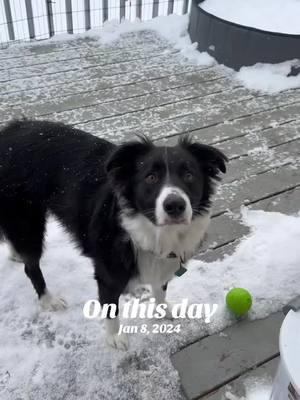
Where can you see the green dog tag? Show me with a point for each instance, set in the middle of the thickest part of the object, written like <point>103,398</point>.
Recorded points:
<point>180,271</point>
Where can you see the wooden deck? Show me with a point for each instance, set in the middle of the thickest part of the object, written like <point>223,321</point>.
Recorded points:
<point>141,84</point>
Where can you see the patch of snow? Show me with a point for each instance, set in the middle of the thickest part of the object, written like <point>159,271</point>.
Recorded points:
<point>64,354</point>
<point>173,28</point>
<point>255,388</point>
<point>269,78</point>
<point>259,391</point>
<point>262,152</point>
<point>270,15</point>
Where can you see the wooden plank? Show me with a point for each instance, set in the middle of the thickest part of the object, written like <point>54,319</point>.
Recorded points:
<point>260,142</point>
<point>129,41</point>
<point>137,68</point>
<point>234,126</point>
<point>9,20</point>
<point>240,348</point>
<point>223,230</point>
<point>262,375</point>
<point>63,94</point>
<point>78,64</point>
<point>87,69</point>
<point>256,188</point>
<point>219,253</point>
<point>283,154</point>
<point>92,104</point>
<point>233,110</point>
<point>243,142</point>
<point>30,20</point>
<point>103,57</point>
<point>226,229</point>
<point>213,109</point>
<point>133,109</point>
<point>287,202</point>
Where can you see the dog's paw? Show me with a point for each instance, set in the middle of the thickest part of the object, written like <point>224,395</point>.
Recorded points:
<point>169,311</point>
<point>116,341</point>
<point>14,256</point>
<point>52,303</point>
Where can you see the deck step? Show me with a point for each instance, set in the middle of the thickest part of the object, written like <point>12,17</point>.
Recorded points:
<point>216,360</point>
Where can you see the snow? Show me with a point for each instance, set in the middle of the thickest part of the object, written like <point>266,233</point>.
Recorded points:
<point>255,388</point>
<point>269,78</point>
<point>270,15</point>
<point>62,352</point>
<point>173,28</point>
<point>259,393</point>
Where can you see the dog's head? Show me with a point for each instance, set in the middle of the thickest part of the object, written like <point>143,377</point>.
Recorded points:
<point>167,185</point>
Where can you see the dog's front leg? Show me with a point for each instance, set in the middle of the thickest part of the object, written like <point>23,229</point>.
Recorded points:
<point>114,338</point>
<point>110,296</point>
<point>160,297</point>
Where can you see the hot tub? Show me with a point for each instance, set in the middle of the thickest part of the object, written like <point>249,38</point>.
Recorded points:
<point>287,381</point>
<point>237,45</point>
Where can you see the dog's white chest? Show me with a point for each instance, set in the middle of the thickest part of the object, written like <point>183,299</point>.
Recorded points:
<point>153,270</point>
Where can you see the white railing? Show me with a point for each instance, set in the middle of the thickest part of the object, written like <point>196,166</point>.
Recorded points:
<point>40,19</point>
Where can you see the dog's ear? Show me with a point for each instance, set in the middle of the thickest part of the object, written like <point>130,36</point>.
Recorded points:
<point>122,162</point>
<point>211,159</point>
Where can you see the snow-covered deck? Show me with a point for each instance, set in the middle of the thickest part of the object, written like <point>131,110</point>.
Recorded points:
<point>141,84</point>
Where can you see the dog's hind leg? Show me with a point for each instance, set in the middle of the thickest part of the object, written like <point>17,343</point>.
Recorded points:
<point>110,295</point>
<point>13,255</point>
<point>25,232</point>
<point>34,273</point>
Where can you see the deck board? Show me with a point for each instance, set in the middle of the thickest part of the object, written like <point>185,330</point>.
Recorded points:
<point>95,103</point>
<point>94,86</point>
<point>141,84</point>
<point>229,355</point>
<point>262,375</point>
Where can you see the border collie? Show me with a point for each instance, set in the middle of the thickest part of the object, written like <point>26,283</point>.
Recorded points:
<point>136,209</point>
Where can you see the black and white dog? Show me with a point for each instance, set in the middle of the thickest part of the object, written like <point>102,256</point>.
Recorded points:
<point>134,209</point>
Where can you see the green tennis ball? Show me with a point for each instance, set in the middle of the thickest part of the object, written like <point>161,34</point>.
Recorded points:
<point>239,301</point>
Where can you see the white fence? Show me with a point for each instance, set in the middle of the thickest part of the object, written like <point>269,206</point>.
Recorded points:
<point>40,19</point>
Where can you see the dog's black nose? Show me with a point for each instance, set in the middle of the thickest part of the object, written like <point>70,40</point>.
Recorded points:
<point>174,205</point>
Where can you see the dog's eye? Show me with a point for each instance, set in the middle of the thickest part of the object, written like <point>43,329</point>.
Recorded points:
<point>151,178</point>
<point>188,177</point>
